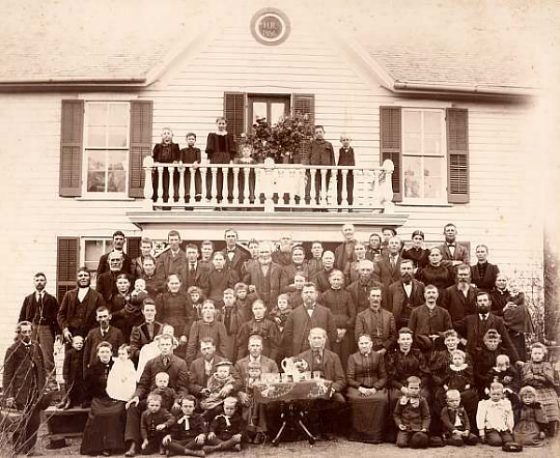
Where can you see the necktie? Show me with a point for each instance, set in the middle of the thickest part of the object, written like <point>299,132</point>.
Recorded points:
<point>150,327</point>
<point>165,360</point>
<point>393,261</point>
<point>191,267</point>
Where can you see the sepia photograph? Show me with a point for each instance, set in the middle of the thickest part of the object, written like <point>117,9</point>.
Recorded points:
<point>280,228</point>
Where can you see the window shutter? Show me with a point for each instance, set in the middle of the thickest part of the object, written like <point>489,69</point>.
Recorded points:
<point>457,155</point>
<point>304,104</point>
<point>234,112</point>
<point>71,147</point>
<point>133,247</point>
<point>390,141</point>
<point>68,254</point>
<point>140,144</point>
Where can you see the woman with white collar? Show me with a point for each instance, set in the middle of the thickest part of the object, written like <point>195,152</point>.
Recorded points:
<point>220,149</point>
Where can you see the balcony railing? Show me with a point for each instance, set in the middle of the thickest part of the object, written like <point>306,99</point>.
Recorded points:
<point>268,187</point>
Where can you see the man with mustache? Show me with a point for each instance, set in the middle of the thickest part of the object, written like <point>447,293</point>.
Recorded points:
<point>460,299</point>
<point>404,295</point>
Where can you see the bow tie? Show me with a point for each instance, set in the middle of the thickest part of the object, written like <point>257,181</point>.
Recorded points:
<point>310,307</point>
<point>451,245</point>
<point>414,402</point>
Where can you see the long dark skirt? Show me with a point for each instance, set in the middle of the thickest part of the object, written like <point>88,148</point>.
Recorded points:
<point>105,427</point>
<point>369,414</point>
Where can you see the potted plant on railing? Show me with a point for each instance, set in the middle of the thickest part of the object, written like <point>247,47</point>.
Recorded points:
<point>287,141</point>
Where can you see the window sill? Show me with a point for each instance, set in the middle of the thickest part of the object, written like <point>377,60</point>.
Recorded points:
<point>423,204</point>
<point>106,199</point>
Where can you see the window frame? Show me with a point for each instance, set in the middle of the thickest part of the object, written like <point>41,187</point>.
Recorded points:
<point>444,156</point>
<point>106,248</point>
<point>86,148</point>
<point>268,98</point>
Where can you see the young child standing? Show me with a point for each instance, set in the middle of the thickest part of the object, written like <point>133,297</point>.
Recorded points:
<point>196,298</point>
<point>192,155</point>
<point>322,153</point>
<point>243,301</point>
<point>121,382</point>
<point>73,373</point>
<point>168,394</point>
<point>165,152</point>
<point>188,432</point>
<point>216,382</point>
<point>281,312</point>
<point>412,416</point>
<point>154,424</point>
<point>494,418</point>
<point>455,421</point>
<point>226,430</point>
<point>246,175</point>
<point>345,158</point>
<point>530,420</point>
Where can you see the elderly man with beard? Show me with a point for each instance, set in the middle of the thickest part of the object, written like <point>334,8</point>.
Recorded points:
<point>460,299</point>
<point>77,310</point>
<point>360,288</point>
<point>429,321</point>
<point>283,255</point>
<point>474,327</point>
<point>321,279</point>
<point>377,323</point>
<point>266,278</point>
<point>404,295</point>
<point>107,281</point>
<point>23,384</point>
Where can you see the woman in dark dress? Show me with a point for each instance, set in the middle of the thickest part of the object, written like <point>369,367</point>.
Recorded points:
<point>104,430</point>
<point>436,273</point>
<point>366,393</point>
<point>125,313</point>
<point>220,149</point>
<point>417,253</point>
<point>373,249</point>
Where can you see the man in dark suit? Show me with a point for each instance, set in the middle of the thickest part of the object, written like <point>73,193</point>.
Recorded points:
<point>307,316</point>
<point>473,328</point>
<point>107,281</point>
<point>146,332</point>
<point>235,256</point>
<point>174,260</point>
<point>103,333</point>
<point>167,362</point>
<point>359,290</point>
<point>203,367</point>
<point>344,253</point>
<point>387,270</point>
<point>483,273</point>
<point>23,384</point>
<point>325,414</point>
<point>451,250</point>
<point>376,322</point>
<point>118,244</point>
<point>429,321</point>
<point>322,153</point>
<point>77,310</point>
<point>460,299</point>
<point>196,273</point>
<point>404,295</point>
<point>266,278</point>
<point>41,309</point>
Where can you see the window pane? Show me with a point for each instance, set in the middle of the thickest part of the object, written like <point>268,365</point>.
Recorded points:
<point>432,145</point>
<point>433,177</point>
<point>118,137</point>
<point>96,182</point>
<point>96,160</point>
<point>118,114</point>
<point>116,182</point>
<point>412,132</point>
<point>96,136</point>
<point>412,179</point>
<point>432,122</point>
<point>97,114</point>
<point>93,251</point>
<point>259,110</point>
<point>277,110</point>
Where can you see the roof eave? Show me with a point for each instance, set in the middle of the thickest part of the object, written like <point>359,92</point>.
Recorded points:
<point>73,83</point>
<point>464,89</point>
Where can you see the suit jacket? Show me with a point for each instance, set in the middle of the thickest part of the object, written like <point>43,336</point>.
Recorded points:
<point>212,149</point>
<point>107,285</point>
<point>167,264</point>
<point>269,286</point>
<point>322,153</point>
<point>364,325</point>
<point>459,306</point>
<point>298,325</point>
<point>384,273</point>
<point>342,259</point>
<point>332,368</point>
<point>67,314</point>
<point>449,416</point>
<point>268,366</point>
<point>423,325</point>
<point>461,253</point>
<point>199,277</point>
<point>218,281</point>
<point>198,379</point>
<point>24,373</point>
<point>178,376</point>
<point>396,299</point>
<point>103,265</point>
<point>139,336</point>
<point>360,293</point>
<point>488,282</point>
<point>50,311</point>
<point>473,329</point>
<point>346,157</point>
<point>114,336</point>
<point>200,329</point>
<point>239,258</point>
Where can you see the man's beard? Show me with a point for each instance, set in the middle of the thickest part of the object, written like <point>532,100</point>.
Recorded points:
<point>26,339</point>
<point>407,278</point>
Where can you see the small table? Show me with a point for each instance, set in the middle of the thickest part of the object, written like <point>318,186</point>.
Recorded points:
<point>289,394</point>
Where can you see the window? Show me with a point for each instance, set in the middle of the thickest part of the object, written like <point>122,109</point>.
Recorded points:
<point>270,107</point>
<point>424,155</point>
<point>93,249</point>
<point>106,147</point>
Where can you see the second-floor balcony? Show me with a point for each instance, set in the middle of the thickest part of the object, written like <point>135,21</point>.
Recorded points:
<point>267,187</point>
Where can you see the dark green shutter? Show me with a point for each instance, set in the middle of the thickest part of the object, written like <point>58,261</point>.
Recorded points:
<point>71,148</point>
<point>457,155</point>
<point>234,112</point>
<point>140,144</point>
<point>390,144</point>
<point>68,255</point>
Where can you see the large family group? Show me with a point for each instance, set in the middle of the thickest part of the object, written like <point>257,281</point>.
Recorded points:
<point>167,351</point>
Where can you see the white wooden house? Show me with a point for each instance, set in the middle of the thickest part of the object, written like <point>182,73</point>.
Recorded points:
<point>85,90</point>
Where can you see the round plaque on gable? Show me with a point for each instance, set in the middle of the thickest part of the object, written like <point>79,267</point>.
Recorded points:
<point>270,26</point>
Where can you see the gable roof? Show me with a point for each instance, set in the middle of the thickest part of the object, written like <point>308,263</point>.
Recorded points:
<point>119,42</point>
